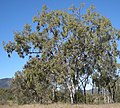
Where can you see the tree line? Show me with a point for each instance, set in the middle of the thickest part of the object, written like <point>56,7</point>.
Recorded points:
<point>68,51</point>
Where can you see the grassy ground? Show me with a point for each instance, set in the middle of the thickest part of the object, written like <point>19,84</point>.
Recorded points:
<point>61,106</point>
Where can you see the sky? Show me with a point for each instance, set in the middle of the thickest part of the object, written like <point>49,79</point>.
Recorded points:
<point>14,14</point>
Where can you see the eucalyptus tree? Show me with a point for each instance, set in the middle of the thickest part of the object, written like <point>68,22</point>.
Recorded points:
<point>72,47</point>
<point>93,47</point>
<point>46,41</point>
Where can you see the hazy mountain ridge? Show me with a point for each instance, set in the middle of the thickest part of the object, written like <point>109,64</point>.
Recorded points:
<point>5,82</point>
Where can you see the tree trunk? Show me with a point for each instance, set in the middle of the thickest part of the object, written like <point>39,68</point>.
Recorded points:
<point>84,94</point>
<point>71,97</point>
<point>54,96</point>
<point>64,95</point>
<point>108,99</point>
<point>104,93</point>
<point>70,85</point>
<point>93,89</point>
<point>113,97</point>
<point>72,92</point>
<point>98,94</point>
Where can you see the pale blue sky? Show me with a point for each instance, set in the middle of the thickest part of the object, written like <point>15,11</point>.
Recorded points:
<point>14,14</point>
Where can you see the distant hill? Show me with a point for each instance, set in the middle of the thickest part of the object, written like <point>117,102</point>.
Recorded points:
<point>5,82</point>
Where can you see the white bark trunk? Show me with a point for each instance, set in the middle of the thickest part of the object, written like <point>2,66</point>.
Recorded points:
<point>70,85</point>
<point>71,97</point>
<point>72,92</point>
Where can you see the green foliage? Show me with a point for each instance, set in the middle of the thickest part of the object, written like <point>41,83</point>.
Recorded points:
<point>5,96</point>
<point>32,85</point>
<point>79,97</point>
<point>66,50</point>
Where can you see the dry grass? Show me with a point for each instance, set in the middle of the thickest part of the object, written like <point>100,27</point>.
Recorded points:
<point>61,106</point>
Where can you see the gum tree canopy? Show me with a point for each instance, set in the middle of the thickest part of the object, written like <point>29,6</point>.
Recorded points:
<point>69,49</point>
